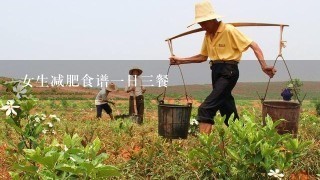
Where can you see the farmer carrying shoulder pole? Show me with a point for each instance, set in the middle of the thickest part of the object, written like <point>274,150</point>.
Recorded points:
<point>224,45</point>
<point>102,100</point>
<point>136,91</point>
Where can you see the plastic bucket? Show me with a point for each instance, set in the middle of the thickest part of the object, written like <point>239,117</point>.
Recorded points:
<point>174,120</point>
<point>290,111</point>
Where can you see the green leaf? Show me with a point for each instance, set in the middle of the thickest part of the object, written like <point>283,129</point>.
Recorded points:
<point>21,145</point>
<point>49,160</point>
<point>87,166</point>
<point>107,171</point>
<point>100,158</point>
<point>13,124</point>
<point>29,152</point>
<point>67,168</point>
<point>96,145</point>
<point>67,140</point>
<point>233,154</point>
<point>29,169</point>
<point>77,158</point>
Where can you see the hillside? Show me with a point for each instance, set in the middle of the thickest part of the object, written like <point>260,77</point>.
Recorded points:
<point>241,91</point>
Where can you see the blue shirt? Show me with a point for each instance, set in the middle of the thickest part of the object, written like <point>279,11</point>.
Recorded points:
<point>286,94</point>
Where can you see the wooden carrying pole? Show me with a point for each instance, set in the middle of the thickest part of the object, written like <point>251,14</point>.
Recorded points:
<point>235,24</point>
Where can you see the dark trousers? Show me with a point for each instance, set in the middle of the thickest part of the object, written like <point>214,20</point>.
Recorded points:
<point>140,106</point>
<point>224,78</point>
<point>104,107</point>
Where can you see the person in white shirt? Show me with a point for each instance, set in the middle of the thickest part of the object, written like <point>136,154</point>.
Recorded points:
<point>136,90</point>
<point>102,100</point>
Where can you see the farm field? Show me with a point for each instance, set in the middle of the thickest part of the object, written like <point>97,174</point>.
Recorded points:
<point>139,153</point>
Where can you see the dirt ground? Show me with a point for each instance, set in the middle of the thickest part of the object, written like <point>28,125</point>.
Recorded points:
<point>4,174</point>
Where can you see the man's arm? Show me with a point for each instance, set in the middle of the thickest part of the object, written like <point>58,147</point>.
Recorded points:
<point>269,70</point>
<point>174,60</point>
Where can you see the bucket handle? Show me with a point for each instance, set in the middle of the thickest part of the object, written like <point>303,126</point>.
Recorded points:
<point>165,88</point>
<point>184,84</point>
<point>282,45</point>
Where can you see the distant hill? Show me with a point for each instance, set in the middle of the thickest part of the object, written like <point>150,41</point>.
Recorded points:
<point>243,90</point>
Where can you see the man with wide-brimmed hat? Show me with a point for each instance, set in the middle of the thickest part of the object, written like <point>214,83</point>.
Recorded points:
<point>136,91</point>
<point>102,100</point>
<point>224,45</point>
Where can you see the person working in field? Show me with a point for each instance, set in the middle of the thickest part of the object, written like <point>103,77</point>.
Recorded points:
<point>287,93</point>
<point>136,91</point>
<point>224,45</point>
<point>102,101</point>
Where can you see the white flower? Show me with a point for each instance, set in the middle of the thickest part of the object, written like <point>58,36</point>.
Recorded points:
<point>57,119</point>
<point>19,89</point>
<point>194,122</point>
<point>10,108</point>
<point>52,116</point>
<point>43,117</point>
<point>276,174</point>
<point>44,131</point>
<point>50,125</point>
<point>37,119</point>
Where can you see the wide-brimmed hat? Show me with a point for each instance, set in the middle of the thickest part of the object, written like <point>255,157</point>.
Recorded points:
<point>204,12</point>
<point>135,68</point>
<point>111,87</point>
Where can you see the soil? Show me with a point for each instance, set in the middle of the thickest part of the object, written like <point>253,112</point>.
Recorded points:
<point>4,174</point>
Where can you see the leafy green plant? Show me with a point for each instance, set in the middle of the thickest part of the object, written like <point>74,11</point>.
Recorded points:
<point>125,125</point>
<point>297,84</point>
<point>36,160</point>
<point>69,160</point>
<point>194,127</point>
<point>245,150</point>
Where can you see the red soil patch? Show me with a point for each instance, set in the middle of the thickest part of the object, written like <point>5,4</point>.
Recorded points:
<point>4,174</point>
<point>302,175</point>
<point>126,154</point>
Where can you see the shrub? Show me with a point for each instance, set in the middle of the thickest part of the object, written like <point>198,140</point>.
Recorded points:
<point>245,150</point>
<point>35,159</point>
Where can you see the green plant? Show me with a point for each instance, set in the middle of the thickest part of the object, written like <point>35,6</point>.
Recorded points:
<point>69,160</point>
<point>34,159</point>
<point>64,103</point>
<point>194,127</point>
<point>125,125</point>
<point>245,150</point>
<point>317,105</point>
<point>297,84</point>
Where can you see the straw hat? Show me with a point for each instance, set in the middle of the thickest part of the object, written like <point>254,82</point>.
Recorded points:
<point>111,87</point>
<point>135,68</point>
<point>204,12</point>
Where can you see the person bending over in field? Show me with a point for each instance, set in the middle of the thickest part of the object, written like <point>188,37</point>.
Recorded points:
<point>102,101</point>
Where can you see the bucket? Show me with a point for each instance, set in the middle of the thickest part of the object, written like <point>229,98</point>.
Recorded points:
<point>287,110</point>
<point>174,120</point>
